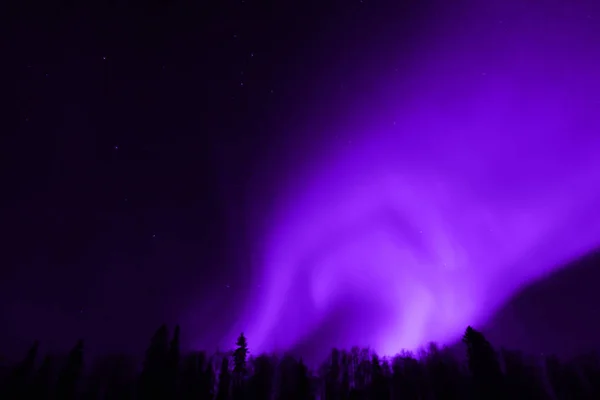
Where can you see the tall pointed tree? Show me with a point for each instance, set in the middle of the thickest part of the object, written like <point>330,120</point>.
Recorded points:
<point>240,355</point>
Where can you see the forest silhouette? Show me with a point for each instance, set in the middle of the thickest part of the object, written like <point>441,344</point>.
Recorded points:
<point>432,373</point>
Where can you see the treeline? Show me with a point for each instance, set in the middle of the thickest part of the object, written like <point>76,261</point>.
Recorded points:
<point>358,374</point>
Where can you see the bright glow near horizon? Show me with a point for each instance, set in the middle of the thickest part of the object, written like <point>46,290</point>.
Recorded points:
<point>485,180</point>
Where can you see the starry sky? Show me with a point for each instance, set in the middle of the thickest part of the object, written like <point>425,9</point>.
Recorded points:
<point>137,137</point>
<point>148,145</point>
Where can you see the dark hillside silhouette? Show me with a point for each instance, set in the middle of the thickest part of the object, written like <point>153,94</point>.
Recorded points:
<point>557,326</point>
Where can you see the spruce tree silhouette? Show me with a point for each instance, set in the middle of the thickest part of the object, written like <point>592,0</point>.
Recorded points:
<point>191,376</point>
<point>19,381</point>
<point>294,382</point>
<point>239,355</point>
<point>67,385</point>
<point>356,375</point>
<point>240,367</point>
<point>41,387</point>
<point>173,358</point>
<point>332,376</point>
<point>261,382</point>
<point>117,376</point>
<point>153,384</point>
<point>444,374</point>
<point>345,370</point>
<point>224,380</point>
<point>483,365</point>
<point>92,390</point>
<point>302,382</point>
<point>208,381</point>
<point>286,383</point>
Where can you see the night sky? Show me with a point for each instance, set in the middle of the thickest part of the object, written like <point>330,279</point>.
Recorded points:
<point>150,151</point>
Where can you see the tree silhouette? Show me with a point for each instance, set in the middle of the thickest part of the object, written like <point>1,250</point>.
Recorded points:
<point>302,382</point>
<point>118,372</point>
<point>153,380</point>
<point>444,373</point>
<point>19,380</point>
<point>359,374</point>
<point>207,388</point>
<point>522,379</point>
<point>380,388</point>
<point>565,379</point>
<point>172,367</point>
<point>332,376</point>
<point>191,375</point>
<point>483,365</point>
<point>239,355</point>
<point>42,381</point>
<point>66,387</point>
<point>224,380</point>
<point>239,367</point>
<point>261,382</point>
<point>590,370</point>
<point>345,370</point>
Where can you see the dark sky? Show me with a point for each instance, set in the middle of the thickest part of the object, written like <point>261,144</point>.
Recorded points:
<point>137,135</point>
<point>138,138</point>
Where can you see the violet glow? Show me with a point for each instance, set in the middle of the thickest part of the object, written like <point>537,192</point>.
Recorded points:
<point>485,179</point>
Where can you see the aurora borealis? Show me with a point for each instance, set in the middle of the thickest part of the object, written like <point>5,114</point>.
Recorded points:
<point>313,174</point>
<point>479,176</point>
